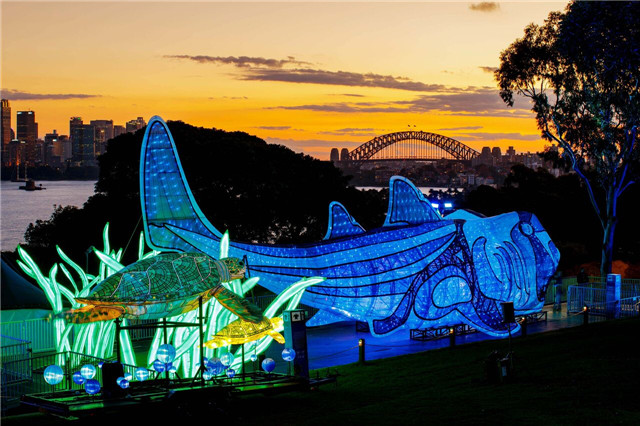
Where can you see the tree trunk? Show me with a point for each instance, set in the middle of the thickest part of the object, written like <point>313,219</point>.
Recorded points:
<point>610,227</point>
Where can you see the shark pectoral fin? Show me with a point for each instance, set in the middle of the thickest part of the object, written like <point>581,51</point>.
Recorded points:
<point>276,336</point>
<point>92,313</point>
<point>487,317</point>
<point>341,224</point>
<point>399,316</point>
<point>407,204</point>
<point>239,306</point>
<point>324,317</point>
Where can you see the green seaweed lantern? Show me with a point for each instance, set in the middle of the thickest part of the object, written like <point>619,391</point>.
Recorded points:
<point>96,337</point>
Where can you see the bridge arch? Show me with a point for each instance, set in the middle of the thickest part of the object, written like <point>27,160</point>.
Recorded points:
<point>456,149</point>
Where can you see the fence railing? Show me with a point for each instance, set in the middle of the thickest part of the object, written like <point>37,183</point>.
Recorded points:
<point>39,332</point>
<point>595,299</point>
<point>26,376</point>
<point>630,287</point>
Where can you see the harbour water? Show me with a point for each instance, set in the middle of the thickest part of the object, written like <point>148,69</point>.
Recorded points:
<point>20,208</point>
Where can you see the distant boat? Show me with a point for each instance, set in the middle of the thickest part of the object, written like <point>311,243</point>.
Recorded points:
<point>31,186</point>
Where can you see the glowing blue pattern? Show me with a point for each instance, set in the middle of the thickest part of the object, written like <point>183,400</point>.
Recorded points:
<point>418,270</point>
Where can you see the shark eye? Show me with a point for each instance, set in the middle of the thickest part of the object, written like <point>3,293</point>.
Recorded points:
<point>526,228</point>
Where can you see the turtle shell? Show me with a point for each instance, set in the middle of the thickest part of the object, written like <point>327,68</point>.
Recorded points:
<point>239,329</point>
<point>162,277</point>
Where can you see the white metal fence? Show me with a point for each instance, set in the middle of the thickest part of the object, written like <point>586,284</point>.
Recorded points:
<point>39,332</point>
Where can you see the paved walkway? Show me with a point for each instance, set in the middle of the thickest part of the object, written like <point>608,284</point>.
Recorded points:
<point>337,344</point>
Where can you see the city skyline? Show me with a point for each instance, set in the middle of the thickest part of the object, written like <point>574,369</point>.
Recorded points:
<point>352,72</point>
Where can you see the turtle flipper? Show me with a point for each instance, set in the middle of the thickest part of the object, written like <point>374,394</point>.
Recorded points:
<point>92,313</point>
<point>217,342</point>
<point>240,306</point>
<point>276,336</point>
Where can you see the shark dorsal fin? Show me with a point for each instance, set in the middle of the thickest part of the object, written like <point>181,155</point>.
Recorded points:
<point>407,205</point>
<point>341,224</point>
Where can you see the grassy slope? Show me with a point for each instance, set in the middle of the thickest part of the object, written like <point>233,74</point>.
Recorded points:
<point>585,375</point>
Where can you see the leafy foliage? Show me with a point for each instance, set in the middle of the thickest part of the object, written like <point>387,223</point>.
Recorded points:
<point>581,69</point>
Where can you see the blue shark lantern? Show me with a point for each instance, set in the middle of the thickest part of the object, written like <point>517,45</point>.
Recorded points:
<point>419,270</point>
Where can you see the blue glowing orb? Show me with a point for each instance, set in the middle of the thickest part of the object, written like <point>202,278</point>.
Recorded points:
<point>77,378</point>
<point>158,366</point>
<point>172,368</point>
<point>207,374</point>
<point>92,386</point>
<point>253,357</point>
<point>226,359</point>
<point>268,365</point>
<point>212,362</point>
<point>88,371</point>
<point>288,354</point>
<point>124,383</point>
<point>231,373</point>
<point>53,374</point>
<point>100,364</point>
<point>216,367</point>
<point>128,376</point>
<point>142,374</point>
<point>166,353</point>
<point>119,379</point>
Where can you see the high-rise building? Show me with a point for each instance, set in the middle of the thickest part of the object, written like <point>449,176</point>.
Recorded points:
<point>496,152</point>
<point>6,136</point>
<point>28,133</point>
<point>104,132</point>
<point>118,130</point>
<point>344,154</point>
<point>335,155</point>
<point>82,141</point>
<point>136,124</point>
<point>27,126</point>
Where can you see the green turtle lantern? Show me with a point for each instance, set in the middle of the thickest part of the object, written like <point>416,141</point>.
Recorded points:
<point>165,285</point>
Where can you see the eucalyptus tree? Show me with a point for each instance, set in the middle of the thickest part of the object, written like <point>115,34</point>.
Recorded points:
<point>581,70</point>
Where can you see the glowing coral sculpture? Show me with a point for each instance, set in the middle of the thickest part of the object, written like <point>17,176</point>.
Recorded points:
<point>97,338</point>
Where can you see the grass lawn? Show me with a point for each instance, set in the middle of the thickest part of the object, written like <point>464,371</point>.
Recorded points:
<point>583,375</point>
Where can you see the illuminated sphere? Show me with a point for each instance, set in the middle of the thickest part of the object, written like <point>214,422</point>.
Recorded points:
<point>212,362</point>
<point>53,374</point>
<point>142,374</point>
<point>100,364</point>
<point>166,353</point>
<point>268,365</point>
<point>124,383</point>
<point>226,359</point>
<point>207,375</point>
<point>216,368</point>
<point>253,357</point>
<point>168,366</point>
<point>128,376</point>
<point>77,378</point>
<point>119,379</point>
<point>288,354</point>
<point>88,371</point>
<point>231,373</point>
<point>173,369</point>
<point>92,386</point>
<point>158,366</point>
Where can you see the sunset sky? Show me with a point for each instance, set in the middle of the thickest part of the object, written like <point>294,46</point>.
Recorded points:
<point>311,76</point>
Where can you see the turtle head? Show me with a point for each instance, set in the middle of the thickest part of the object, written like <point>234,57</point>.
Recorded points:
<point>236,267</point>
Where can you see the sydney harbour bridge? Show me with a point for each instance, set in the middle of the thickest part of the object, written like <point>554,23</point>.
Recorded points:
<point>408,145</point>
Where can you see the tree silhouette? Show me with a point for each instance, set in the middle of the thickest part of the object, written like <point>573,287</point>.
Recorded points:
<point>581,69</point>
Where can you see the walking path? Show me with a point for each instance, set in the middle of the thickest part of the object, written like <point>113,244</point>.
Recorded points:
<point>337,344</point>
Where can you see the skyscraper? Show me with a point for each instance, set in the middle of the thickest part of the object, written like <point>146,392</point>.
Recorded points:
<point>27,126</point>
<point>335,155</point>
<point>5,137</point>
<point>28,133</point>
<point>103,132</point>
<point>136,124</point>
<point>82,141</point>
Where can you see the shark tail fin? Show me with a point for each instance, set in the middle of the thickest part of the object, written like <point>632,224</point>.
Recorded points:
<point>168,206</point>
